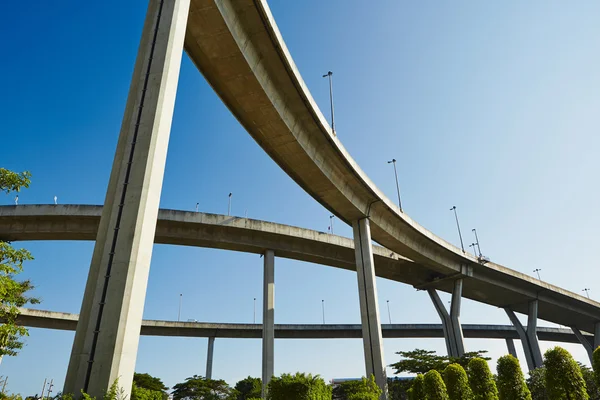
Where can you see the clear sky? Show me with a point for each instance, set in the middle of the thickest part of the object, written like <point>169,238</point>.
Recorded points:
<point>489,106</point>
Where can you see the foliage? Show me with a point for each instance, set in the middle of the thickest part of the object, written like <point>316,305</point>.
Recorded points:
<point>434,386</point>
<point>364,389</point>
<point>147,381</point>
<point>141,393</point>
<point>200,388</point>
<point>596,364</point>
<point>563,377</point>
<point>417,390</point>
<point>248,388</point>
<point>115,392</point>
<point>298,387</point>
<point>421,361</point>
<point>12,292</point>
<point>457,383</point>
<point>13,181</point>
<point>398,389</point>
<point>590,382</point>
<point>537,384</point>
<point>511,382</point>
<point>481,380</point>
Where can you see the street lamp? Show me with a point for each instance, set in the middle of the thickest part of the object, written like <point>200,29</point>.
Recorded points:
<point>473,245</point>
<point>329,75</point>
<point>477,241</point>
<point>331,217</point>
<point>255,310</point>
<point>587,292</point>
<point>179,312</point>
<point>462,246</point>
<point>389,315</point>
<point>537,270</point>
<point>323,309</point>
<point>197,205</point>
<point>393,161</point>
<point>229,206</point>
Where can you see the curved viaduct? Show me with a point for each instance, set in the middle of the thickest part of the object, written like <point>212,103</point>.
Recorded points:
<point>237,46</point>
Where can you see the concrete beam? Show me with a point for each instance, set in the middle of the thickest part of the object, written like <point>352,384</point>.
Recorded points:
<point>107,336</point>
<point>587,344</point>
<point>209,357</point>
<point>369,307</point>
<point>446,323</point>
<point>532,352</point>
<point>268,349</point>
<point>510,345</point>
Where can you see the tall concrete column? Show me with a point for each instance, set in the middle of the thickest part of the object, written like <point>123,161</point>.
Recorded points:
<point>107,336</point>
<point>268,337</point>
<point>528,336</point>
<point>510,345</point>
<point>209,357</point>
<point>451,321</point>
<point>369,307</point>
<point>587,345</point>
<point>596,335</point>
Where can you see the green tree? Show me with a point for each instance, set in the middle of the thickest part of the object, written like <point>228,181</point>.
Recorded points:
<point>457,383</point>
<point>298,387</point>
<point>537,384</point>
<point>421,361</point>
<point>596,364</point>
<point>590,382</point>
<point>417,390</point>
<point>563,376</point>
<point>13,292</point>
<point>200,388</point>
<point>434,386</point>
<point>147,381</point>
<point>364,389</point>
<point>511,382</point>
<point>481,380</point>
<point>398,389</point>
<point>248,388</point>
<point>140,393</point>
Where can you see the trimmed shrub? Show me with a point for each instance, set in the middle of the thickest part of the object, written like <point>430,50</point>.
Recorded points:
<point>563,376</point>
<point>481,380</point>
<point>138,393</point>
<point>298,387</point>
<point>364,389</point>
<point>511,382</point>
<point>434,386</point>
<point>417,390</point>
<point>457,383</point>
<point>596,364</point>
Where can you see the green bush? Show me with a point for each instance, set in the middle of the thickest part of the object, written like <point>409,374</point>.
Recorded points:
<point>457,383</point>
<point>435,389</point>
<point>364,389</point>
<point>138,393</point>
<point>596,364</point>
<point>481,380</point>
<point>248,388</point>
<point>563,376</point>
<point>298,387</point>
<point>417,390</point>
<point>511,382</point>
<point>537,384</point>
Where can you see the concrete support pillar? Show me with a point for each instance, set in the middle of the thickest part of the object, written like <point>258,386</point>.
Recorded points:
<point>451,321</point>
<point>268,349</point>
<point>369,307</point>
<point>510,345</point>
<point>596,335</point>
<point>528,336</point>
<point>209,357</point>
<point>107,336</point>
<point>585,342</point>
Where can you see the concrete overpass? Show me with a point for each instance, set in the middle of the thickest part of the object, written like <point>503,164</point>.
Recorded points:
<point>237,46</point>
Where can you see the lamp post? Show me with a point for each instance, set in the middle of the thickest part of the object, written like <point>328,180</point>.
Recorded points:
<point>537,270</point>
<point>587,292</point>
<point>229,206</point>
<point>331,217</point>
<point>462,246</point>
<point>197,205</point>
<point>389,315</point>
<point>473,245</point>
<point>393,161</point>
<point>329,75</point>
<point>477,241</point>
<point>255,310</point>
<point>179,312</point>
<point>323,309</point>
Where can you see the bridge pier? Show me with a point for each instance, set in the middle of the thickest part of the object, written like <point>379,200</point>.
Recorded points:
<point>369,307</point>
<point>209,357</point>
<point>107,336</point>
<point>268,334</point>
<point>596,335</point>
<point>510,345</point>
<point>453,333</point>
<point>528,335</point>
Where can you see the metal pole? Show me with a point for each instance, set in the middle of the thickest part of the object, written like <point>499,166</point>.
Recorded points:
<point>323,307</point>
<point>587,290</point>
<point>389,315</point>
<point>229,206</point>
<point>179,312</point>
<point>537,270</point>
<point>43,389</point>
<point>477,241</point>
<point>462,246</point>
<point>329,75</point>
<point>255,310</point>
<point>50,389</point>
<point>473,245</point>
<point>197,204</point>
<point>4,385</point>
<point>331,217</point>
<point>397,184</point>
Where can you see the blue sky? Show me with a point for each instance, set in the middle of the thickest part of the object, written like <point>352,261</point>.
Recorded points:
<point>492,107</point>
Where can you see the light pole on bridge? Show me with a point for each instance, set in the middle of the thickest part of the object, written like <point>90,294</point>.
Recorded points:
<point>462,246</point>
<point>477,242</point>
<point>587,292</point>
<point>329,75</point>
<point>389,315</point>
<point>331,217</point>
<point>323,309</point>
<point>537,270</point>
<point>393,161</point>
